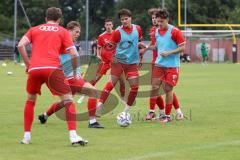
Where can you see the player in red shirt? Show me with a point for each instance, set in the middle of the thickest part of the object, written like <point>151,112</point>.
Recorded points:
<point>159,100</point>
<point>154,100</point>
<point>105,54</point>
<point>165,70</point>
<point>43,67</point>
<point>126,40</point>
<point>76,85</point>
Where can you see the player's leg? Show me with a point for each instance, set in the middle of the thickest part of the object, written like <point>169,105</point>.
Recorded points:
<point>91,91</point>
<point>131,72</point>
<point>152,102</point>
<point>116,71</point>
<point>161,106</point>
<point>34,83</point>
<point>176,105</point>
<point>168,89</point>
<point>58,86</point>
<point>170,81</point>
<point>122,87</point>
<point>28,117</point>
<point>67,102</point>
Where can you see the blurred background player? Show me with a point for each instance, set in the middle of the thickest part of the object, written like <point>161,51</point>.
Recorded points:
<point>169,44</point>
<point>204,53</point>
<point>77,85</point>
<point>43,67</point>
<point>126,39</point>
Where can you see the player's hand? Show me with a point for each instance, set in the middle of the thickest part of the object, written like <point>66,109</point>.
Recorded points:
<point>26,70</point>
<point>141,45</point>
<point>165,53</point>
<point>76,77</point>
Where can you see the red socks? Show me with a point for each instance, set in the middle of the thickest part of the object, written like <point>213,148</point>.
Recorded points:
<point>175,101</point>
<point>92,102</point>
<point>160,102</point>
<point>105,93</point>
<point>152,102</point>
<point>168,109</point>
<point>132,95</point>
<point>28,115</point>
<point>71,115</point>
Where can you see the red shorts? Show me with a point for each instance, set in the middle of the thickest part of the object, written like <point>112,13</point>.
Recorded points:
<point>54,79</point>
<point>76,85</point>
<point>103,67</point>
<point>129,70</point>
<point>168,75</point>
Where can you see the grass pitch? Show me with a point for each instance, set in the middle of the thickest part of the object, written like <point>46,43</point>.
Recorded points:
<point>211,92</point>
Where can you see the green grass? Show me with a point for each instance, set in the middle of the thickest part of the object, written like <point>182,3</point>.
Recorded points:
<point>211,92</point>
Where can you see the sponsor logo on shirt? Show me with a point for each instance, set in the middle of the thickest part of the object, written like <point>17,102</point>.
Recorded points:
<point>49,28</point>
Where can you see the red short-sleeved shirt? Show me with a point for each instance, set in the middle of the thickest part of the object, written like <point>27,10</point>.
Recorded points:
<point>116,38</point>
<point>107,50</point>
<point>153,42</point>
<point>47,41</point>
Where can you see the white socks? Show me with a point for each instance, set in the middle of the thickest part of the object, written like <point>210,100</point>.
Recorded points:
<point>127,108</point>
<point>162,111</point>
<point>27,135</point>
<point>178,111</point>
<point>92,120</point>
<point>72,133</point>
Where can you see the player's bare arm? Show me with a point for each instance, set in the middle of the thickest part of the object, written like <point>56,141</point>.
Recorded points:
<point>22,50</point>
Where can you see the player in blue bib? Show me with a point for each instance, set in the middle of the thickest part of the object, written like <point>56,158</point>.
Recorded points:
<point>169,44</point>
<point>126,40</point>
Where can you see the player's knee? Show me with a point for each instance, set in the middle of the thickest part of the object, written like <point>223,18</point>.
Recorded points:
<point>93,92</point>
<point>155,86</point>
<point>134,88</point>
<point>167,88</point>
<point>32,97</point>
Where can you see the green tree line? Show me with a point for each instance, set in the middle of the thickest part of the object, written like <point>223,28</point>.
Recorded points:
<point>198,11</point>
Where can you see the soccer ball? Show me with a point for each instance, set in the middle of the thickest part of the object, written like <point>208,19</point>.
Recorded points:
<point>124,119</point>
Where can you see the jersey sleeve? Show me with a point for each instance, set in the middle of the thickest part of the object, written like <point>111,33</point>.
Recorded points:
<point>177,36</point>
<point>139,32</point>
<point>116,37</point>
<point>28,35</point>
<point>152,36</point>
<point>100,41</point>
<point>67,42</point>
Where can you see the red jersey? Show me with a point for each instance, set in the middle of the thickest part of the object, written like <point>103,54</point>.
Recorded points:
<point>107,50</point>
<point>116,38</point>
<point>153,42</point>
<point>47,41</point>
<point>176,35</point>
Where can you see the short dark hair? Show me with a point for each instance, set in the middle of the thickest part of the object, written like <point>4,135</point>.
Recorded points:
<point>153,11</point>
<point>125,12</point>
<point>53,13</point>
<point>163,13</point>
<point>108,20</point>
<point>72,24</point>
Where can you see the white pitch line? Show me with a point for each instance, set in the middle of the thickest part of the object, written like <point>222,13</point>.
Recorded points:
<point>199,147</point>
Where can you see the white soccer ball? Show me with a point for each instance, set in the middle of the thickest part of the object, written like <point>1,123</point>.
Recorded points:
<point>124,119</point>
<point>4,64</point>
<point>22,64</point>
